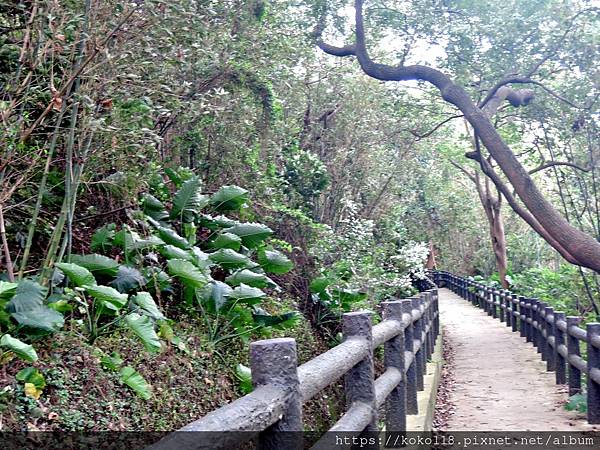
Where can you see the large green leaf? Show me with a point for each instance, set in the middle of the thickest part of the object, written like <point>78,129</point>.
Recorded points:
<point>109,297</point>
<point>7,289</point>
<point>253,279</point>
<point>172,252</point>
<point>201,259</point>
<point>214,223</point>
<point>215,295</point>
<point>78,275</point>
<point>267,320</point>
<point>171,237</point>
<point>230,259</point>
<point>247,294</point>
<point>252,234</point>
<point>19,348</point>
<point>148,307</point>
<point>127,279</point>
<point>97,263</point>
<point>143,327</point>
<point>131,241</point>
<point>320,284</point>
<point>229,198</point>
<point>227,240</point>
<point>274,261</point>
<point>135,381</point>
<point>244,376</point>
<point>188,201</point>
<point>102,239</point>
<point>28,295</point>
<point>41,318</point>
<point>189,274</point>
<point>154,208</point>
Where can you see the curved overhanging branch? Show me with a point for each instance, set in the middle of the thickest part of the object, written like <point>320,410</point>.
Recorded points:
<point>565,238</point>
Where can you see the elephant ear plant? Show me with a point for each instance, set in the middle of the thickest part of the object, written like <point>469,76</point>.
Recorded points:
<point>187,247</point>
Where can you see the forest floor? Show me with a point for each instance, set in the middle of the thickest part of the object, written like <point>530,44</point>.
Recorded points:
<point>499,382</point>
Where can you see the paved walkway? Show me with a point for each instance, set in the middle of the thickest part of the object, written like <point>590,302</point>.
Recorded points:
<point>500,382</point>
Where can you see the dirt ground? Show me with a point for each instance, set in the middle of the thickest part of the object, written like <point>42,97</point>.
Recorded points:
<point>499,382</point>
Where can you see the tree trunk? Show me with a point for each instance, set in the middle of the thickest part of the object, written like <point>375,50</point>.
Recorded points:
<point>578,247</point>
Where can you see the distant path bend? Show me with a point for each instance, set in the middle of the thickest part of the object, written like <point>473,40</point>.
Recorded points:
<point>500,382</point>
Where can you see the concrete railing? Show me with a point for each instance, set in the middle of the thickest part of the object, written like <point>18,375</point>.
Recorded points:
<point>274,408</point>
<point>556,337</point>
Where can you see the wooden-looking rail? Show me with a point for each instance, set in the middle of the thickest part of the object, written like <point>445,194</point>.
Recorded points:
<point>274,408</point>
<point>556,337</point>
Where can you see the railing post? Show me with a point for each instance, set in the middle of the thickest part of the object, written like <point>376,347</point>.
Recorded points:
<point>559,339</point>
<point>508,305</point>
<point>411,371</point>
<point>493,295</point>
<point>514,312</point>
<point>430,333</point>
<point>359,382</point>
<point>274,362</point>
<point>542,342</point>
<point>550,363</point>
<point>395,418</point>
<point>501,305</point>
<point>573,348</point>
<point>528,317</point>
<point>593,365</point>
<point>522,316</point>
<point>420,354</point>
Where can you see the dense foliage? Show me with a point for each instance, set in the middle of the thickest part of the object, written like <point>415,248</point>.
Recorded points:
<point>178,178</point>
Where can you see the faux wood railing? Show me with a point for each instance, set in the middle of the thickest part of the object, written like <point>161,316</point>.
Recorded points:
<point>556,337</point>
<point>274,408</point>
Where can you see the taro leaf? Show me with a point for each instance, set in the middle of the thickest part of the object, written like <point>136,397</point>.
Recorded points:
<point>187,273</point>
<point>172,252</point>
<point>253,279</point>
<point>230,259</point>
<point>112,362</point>
<point>246,294</point>
<point>214,223</point>
<point>148,307</point>
<point>188,201</point>
<point>215,295</point>
<point>130,240</point>
<point>79,276</point>
<point>102,239</point>
<point>274,261</point>
<point>108,297</point>
<point>97,263</point>
<point>31,375</point>
<point>165,331</point>
<point>143,327</point>
<point>7,289</point>
<point>154,208</point>
<point>229,198</point>
<point>577,402</point>
<point>201,259</point>
<point>319,284</point>
<point>41,318</point>
<point>135,381</point>
<point>244,376</point>
<point>34,381</point>
<point>171,237</point>
<point>28,295</point>
<point>127,279</point>
<point>252,234</point>
<point>347,297</point>
<point>24,351</point>
<point>267,320</point>
<point>227,240</point>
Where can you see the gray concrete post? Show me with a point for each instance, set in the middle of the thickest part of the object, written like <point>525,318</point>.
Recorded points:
<point>573,348</point>
<point>274,362</point>
<point>395,418</point>
<point>559,339</point>
<point>593,364</point>
<point>411,372</point>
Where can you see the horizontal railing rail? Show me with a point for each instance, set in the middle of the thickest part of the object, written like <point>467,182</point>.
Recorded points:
<point>556,337</point>
<point>408,333</point>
